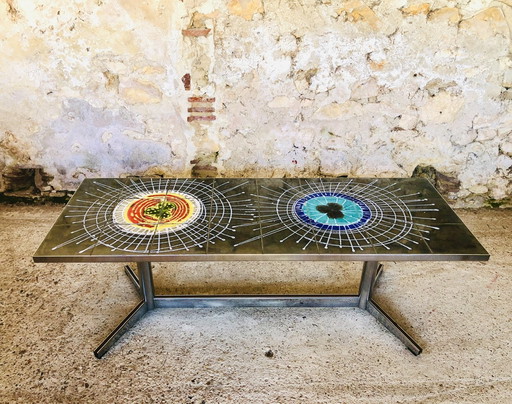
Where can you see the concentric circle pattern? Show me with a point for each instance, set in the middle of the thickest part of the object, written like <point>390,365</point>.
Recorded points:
<point>344,214</point>
<point>161,212</point>
<point>158,216</point>
<point>332,211</point>
<point>167,215</point>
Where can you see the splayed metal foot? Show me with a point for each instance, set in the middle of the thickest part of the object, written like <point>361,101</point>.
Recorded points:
<point>364,300</point>
<point>374,309</point>
<point>145,288</point>
<point>369,277</point>
<point>133,277</point>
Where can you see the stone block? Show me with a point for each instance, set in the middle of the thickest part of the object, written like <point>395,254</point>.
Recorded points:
<point>478,189</point>
<point>18,179</point>
<point>449,15</point>
<point>416,9</point>
<point>281,101</point>
<point>506,95</point>
<point>442,108</point>
<point>464,138</point>
<point>204,171</point>
<point>358,12</point>
<point>504,163</point>
<point>245,8</point>
<point>347,110</point>
<point>486,134</point>
<point>140,92</point>
<point>445,183</point>
<point>507,79</point>
<point>486,24</point>
<point>506,148</point>
<point>364,90</point>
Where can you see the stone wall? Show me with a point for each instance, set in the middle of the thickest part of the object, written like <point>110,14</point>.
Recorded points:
<point>258,88</point>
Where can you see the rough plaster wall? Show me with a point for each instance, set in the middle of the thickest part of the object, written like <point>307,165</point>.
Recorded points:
<point>259,88</point>
<point>91,89</point>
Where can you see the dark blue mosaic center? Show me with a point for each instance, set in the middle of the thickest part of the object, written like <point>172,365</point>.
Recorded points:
<point>332,211</point>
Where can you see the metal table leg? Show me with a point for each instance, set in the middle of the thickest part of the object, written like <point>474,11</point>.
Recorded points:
<point>364,300</point>
<point>146,283</point>
<point>370,269</point>
<point>146,290</point>
<point>133,277</point>
<point>371,272</point>
<point>135,315</point>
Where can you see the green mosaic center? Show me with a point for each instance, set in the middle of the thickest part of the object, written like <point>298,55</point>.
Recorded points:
<point>163,210</point>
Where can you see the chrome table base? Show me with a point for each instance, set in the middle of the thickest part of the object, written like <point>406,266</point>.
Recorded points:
<point>145,288</point>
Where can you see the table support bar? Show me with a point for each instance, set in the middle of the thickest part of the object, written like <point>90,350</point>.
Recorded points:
<point>212,301</point>
<point>144,286</point>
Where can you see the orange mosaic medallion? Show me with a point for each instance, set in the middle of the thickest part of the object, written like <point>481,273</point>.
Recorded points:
<point>158,212</point>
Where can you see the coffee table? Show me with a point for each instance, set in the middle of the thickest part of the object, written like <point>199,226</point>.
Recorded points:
<point>145,220</point>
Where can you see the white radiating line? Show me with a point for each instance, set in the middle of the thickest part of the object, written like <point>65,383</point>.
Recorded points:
<point>392,222</point>
<point>272,190</point>
<point>96,217</point>
<point>391,218</point>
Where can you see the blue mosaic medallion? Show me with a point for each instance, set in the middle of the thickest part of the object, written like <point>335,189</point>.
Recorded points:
<point>332,211</point>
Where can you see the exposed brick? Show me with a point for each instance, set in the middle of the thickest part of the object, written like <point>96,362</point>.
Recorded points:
<point>186,81</point>
<point>195,32</point>
<point>201,109</point>
<point>201,118</point>
<point>201,99</point>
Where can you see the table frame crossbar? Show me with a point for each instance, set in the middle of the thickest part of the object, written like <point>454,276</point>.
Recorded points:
<point>144,285</point>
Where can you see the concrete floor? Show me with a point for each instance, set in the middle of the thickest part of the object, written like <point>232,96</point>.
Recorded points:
<point>52,316</point>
